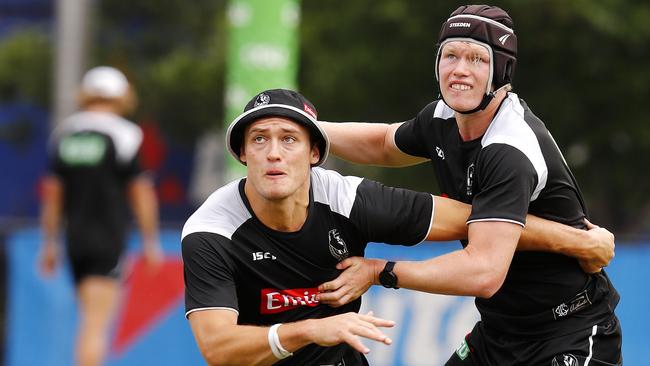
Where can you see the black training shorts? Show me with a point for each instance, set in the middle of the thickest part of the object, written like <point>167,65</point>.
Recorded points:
<point>599,345</point>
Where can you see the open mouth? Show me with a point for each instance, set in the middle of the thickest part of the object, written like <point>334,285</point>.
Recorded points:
<point>460,87</point>
<point>274,173</point>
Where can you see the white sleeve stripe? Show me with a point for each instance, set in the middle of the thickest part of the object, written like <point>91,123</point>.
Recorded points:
<point>333,189</point>
<point>442,111</point>
<point>211,308</point>
<point>510,128</point>
<point>226,233</point>
<point>222,213</point>
<point>126,136</point>
<point>433,211</point>
<point>496,219</point>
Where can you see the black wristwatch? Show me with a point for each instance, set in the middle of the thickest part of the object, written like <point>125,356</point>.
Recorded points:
<point>387,278</point>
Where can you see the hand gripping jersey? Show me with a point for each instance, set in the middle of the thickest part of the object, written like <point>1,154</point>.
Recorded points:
<point>515,168</point>
<point>95,155</point>
<point>232,261</point>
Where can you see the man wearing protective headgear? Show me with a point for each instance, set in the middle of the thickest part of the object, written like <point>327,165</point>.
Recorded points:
<point>489,149</point>
<point>94,177</point>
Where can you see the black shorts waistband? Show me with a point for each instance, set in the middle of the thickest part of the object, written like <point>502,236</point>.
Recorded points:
<point>592,305</point>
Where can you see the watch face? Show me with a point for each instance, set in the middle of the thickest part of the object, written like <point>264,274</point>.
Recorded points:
<point>387,279</point>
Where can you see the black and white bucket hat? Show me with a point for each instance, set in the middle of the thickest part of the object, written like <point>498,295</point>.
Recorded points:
<point>277,103</point>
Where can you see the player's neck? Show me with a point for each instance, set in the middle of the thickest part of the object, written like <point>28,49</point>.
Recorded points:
<point>105,107</point>
<point>286,215</point>
<point>473,126</point>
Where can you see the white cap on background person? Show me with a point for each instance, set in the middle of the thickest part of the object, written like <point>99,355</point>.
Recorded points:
<point>104,82</point>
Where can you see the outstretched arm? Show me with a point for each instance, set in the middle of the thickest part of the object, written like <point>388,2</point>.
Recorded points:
<point>51,212</point>
<point>367,143</point>
<point>476,270</point>
<point>145,209</point>
<point>594,248</point>
<point>223,342</point>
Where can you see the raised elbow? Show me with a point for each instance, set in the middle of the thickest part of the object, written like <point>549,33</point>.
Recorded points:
<point>213,357</point>
<point>488,289</point>
<point>489,282</point>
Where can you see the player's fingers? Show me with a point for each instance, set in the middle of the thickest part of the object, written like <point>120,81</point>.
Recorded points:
<point>378,322</point>
<point>345,298</point>
<point>590,225</point>
<point>347,262</point>
<point>332,285</point>
<point>590,267</point>
<point>369,326</point>
<point>370,333</point>
<point>345,295</point>
<point>331,298</point>
<point>355,343</point>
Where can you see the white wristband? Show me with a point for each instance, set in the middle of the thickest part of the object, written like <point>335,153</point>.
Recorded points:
<point>274,342</point>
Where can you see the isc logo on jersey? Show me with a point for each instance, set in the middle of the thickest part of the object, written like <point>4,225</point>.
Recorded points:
<point>258,256</point>
<point>274,301</point>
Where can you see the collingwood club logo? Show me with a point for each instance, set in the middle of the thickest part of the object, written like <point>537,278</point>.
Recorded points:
<point>561,310</point>
<point>338,248</point>
<point>262,99</point>
<point>470,179</point>
<point>579,302</point>
<point>565,360</point>
<point>440,153</point>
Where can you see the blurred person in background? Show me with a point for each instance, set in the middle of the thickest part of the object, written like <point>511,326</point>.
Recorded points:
<point>488,149</point>
<point>94,177</point>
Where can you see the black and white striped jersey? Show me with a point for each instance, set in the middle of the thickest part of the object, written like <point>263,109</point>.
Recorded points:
<point>95,154</point>
<point>232,261</point>
<point>515,168</point>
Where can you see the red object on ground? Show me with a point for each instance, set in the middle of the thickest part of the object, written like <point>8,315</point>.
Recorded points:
<point>148,296</point>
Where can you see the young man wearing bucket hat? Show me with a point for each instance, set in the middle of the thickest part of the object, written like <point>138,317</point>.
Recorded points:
<point>95,176</point>
<point>255,252</point>
<point>489,149</point>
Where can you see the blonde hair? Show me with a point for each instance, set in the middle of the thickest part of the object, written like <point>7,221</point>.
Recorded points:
<point>122,105</point>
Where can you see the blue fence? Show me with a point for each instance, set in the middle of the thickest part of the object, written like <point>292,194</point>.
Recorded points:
<point>41,313</point>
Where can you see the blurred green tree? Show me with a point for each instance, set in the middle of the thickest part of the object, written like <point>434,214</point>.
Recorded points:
<point>582,67</point>
<point>25,64</point>
<point>173,51</point>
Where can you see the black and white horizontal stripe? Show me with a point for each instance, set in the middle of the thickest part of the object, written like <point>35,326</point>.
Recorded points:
<point>187,314</point>
<point>334,190</point>
<point>222,213</point>
<point>510,128</point>
<point>125,135</point>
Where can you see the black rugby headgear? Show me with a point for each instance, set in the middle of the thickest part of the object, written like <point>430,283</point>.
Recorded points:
<point>491,27</point>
